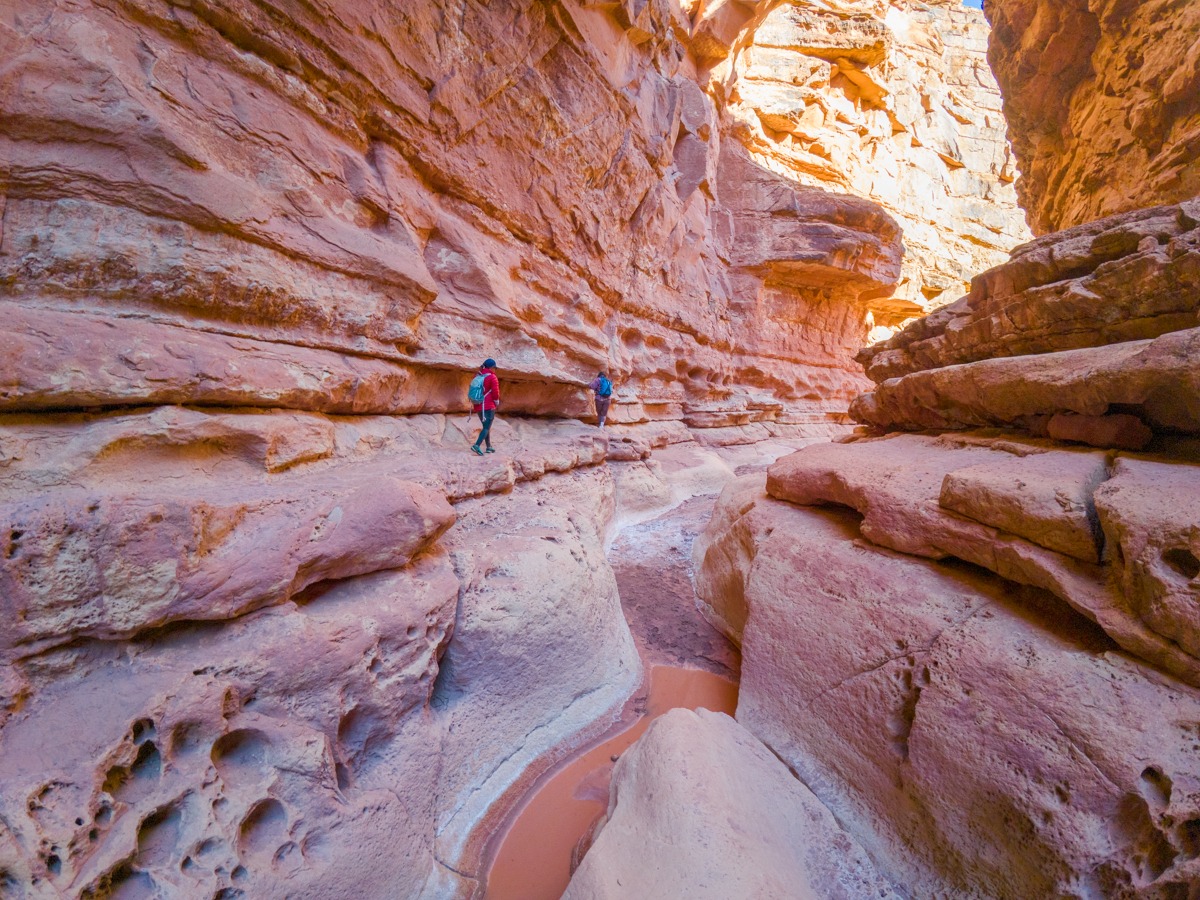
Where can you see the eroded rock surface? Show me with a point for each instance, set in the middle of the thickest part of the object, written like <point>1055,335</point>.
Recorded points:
<point>1088,335</point>
<point>972,500</point>
<point>890,101</point>
<point>224,663</point>
<point>696,782</point>
<point>979,739</point>
<point>1103,104</point>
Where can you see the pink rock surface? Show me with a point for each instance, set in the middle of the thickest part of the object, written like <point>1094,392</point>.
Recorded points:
<point>1128,277</point>
<point>1150,512</point>
<point>1119,431</point>
<point>977,739</point>
<point>896,485</point>
<point>1046,498</point>
<point>110,564</point>
<point>541,659</point>
<point>1158,379</point>
<point>287,752</point>
<point>554,203</point>
<point>696,782</point>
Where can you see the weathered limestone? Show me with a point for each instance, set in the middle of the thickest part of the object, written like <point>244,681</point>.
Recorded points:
<point>700,808</point>
<point>1103,104</point>
<point>979,740</point>
<point>283,753</point>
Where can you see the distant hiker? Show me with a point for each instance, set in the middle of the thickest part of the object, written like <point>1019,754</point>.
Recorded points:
<point>484,395</point>
<point>603,389</point>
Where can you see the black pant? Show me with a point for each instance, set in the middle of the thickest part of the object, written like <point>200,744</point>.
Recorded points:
<point>486,416</point>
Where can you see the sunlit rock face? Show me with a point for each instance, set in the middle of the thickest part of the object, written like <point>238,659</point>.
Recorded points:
<point>361,203</point>
<point>268,626</point>
<point>1103,103</point>
<point>893,102</point>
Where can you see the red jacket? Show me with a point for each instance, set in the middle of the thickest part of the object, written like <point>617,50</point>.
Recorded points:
<point>491,391</point>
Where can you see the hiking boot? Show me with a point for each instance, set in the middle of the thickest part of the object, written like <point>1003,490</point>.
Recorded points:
<point>477,450</point>
<point>490,450</point>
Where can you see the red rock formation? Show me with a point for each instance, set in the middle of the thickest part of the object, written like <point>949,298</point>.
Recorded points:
<point>549,201</point>
<point>1103,104</point>
<point>978,739</point>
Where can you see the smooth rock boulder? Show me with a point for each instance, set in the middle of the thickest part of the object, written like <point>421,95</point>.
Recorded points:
<point>541,657</point>
<point>699,808</point>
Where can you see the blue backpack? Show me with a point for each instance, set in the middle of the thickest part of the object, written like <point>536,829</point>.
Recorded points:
<point>605,388</point>
<point>475,391</point>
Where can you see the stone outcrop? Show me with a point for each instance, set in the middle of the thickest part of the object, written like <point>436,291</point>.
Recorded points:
<point>978,739</point>
<point>1103,104</point>
<point>1031,514</point>
<point>567,204</point>
<point>889,101</point>
<point>1079,329</point>
<point>227,668</point>
<point>696,782</point>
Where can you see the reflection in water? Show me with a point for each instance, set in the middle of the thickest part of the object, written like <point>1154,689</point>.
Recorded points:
<point>533,860</point>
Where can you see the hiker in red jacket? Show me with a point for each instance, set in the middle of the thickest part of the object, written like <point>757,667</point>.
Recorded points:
<point>487,408</point>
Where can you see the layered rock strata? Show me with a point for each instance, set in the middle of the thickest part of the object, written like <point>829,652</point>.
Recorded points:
<point>978,738</point>
<point>1097,320</point>
<point>227,663</point>
<point>1096,530</point>
<point>890,101</point>
<point>1103,104</point>
<point>563,205</point>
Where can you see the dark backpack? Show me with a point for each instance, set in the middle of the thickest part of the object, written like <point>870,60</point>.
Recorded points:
<point>475,391</point>
<point>604,389</point>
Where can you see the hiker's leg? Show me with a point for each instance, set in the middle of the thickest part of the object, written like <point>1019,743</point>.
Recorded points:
<point>602,409</point>
<point>489,416</point>
<point>482,428</point>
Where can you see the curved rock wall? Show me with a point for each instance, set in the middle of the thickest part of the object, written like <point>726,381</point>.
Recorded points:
<point>250,253</point>
<point>1103,104</point>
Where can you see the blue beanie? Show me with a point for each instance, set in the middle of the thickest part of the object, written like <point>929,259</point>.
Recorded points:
<point>489,363</point>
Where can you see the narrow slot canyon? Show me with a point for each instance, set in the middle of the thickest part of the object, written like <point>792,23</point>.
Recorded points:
<point>688,664</point>
<point>599,449</point>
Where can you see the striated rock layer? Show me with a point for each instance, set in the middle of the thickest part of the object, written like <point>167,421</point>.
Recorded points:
<point>269,628</point>
<point>1103,104</point>
<point>979,739</point>
<point>890,101</point>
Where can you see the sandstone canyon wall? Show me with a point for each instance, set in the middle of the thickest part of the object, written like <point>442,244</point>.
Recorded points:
<point>1104,102</point>
<point>269,629</point>
<point>890,101</point>
<point>976,642</point>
